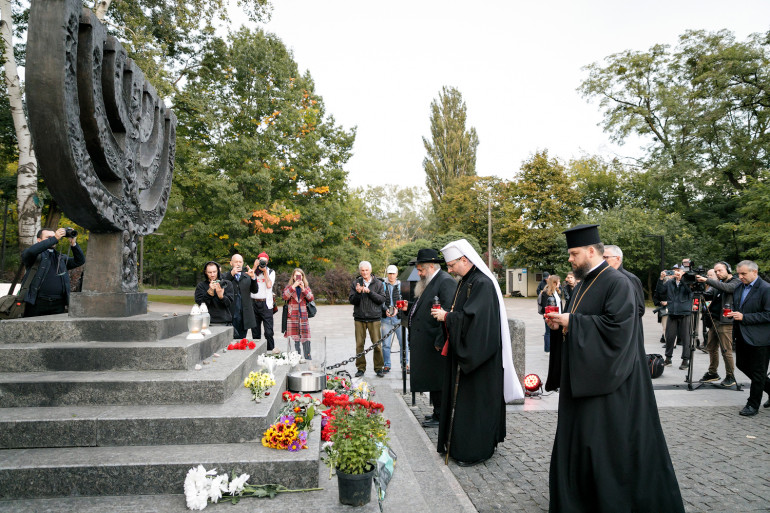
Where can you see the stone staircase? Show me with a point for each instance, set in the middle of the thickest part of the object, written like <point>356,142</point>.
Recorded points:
<point>116,407</point>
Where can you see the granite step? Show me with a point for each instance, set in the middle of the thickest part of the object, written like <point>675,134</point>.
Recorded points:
<point>213,384</point>
<point>146,470</point>
<point>175,353</point>
<point>238,419</point>
<point>62,328</point>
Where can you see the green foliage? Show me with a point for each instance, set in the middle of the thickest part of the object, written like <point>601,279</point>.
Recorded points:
<point>166,38</point>
<point>464,206</point>
<point>629,228</point>
<point>402,214</point>
<point>753,228</point>
<point>357,439</point>
<point>259,167</point>
<point>548,205</point>
<point>452,148</point>
<point>703,108</point>
<point>401,255</point>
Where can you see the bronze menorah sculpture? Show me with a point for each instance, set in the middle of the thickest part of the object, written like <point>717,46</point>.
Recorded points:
<point>105,144</point>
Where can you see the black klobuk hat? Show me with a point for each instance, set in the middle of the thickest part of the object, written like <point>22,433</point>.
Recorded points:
<point>582,235</point>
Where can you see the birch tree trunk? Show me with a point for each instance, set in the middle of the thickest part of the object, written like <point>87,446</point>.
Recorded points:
<point>26,179</point>
<point>101,8</point>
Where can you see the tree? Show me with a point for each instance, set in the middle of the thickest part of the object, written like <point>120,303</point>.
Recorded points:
<point>259,166</point>
<point>403,213</point>
<point>452,149</point>
<point>753,228</point>
<point>703,107</point>
<point>548,204</point>
<point>629,228</point>
<point>164,38</point>
<point>28,205</point>
<point>464,205</point>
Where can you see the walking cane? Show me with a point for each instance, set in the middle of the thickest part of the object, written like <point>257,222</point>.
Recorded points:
<point>452,415</point>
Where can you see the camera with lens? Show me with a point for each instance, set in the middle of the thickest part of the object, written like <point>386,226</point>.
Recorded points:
<point>69,232</point>
<point>262,263</point>
<point>688,278</point>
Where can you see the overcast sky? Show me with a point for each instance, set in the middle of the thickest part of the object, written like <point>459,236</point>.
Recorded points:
<point>378,66</point>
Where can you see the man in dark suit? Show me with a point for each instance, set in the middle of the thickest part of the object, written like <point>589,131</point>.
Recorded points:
<point>751,332</point>
<point>244,284</point>
<point>613,255</point>
<point>426,334</point>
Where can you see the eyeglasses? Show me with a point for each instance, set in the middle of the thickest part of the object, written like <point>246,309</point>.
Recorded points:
<point>452,263</point>
<point>610,256</point>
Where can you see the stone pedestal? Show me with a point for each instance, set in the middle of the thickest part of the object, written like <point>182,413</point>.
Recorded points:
<point>518,348</point>
<point>104,286</point>
<point>107,304</point>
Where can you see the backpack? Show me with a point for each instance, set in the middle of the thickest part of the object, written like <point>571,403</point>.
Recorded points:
<point>12,305</point>
<point>656,363</point>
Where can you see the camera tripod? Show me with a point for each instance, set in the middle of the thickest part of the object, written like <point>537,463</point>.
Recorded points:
<point>698,296</point>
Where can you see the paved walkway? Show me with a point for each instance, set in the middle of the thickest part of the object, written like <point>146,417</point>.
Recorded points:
<point>722,460</point>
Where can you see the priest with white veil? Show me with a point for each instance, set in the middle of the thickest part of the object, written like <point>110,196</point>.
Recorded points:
<point>480,378</point>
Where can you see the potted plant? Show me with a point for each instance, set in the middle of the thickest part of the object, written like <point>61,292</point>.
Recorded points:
<point>357,436</point>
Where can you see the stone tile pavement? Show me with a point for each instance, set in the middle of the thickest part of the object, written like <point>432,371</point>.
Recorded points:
<point>722,460</point>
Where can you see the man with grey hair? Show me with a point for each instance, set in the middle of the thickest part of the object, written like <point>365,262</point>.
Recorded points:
<point>367,296</point>
<point>426,334</point>
<point>613,255</point>
<point>751,332</point>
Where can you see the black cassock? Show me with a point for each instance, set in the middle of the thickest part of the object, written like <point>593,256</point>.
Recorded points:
<point>609,453</point>
<point>475,348</point>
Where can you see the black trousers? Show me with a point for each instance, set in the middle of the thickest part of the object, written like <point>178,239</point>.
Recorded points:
<point>753,362</point>
<point>264,316</point>
<point>435,398</point>
<point>678,328</point>
<point>44,306</point>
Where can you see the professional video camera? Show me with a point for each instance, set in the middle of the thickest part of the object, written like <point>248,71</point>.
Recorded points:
<point>688,278</point>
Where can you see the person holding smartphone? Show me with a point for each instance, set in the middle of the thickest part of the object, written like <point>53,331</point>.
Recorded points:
<point>244,283</point>
<point>298,294</point>
<point>216,294</point>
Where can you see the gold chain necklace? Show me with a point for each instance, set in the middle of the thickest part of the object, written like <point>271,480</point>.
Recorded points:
<point>579,299</point>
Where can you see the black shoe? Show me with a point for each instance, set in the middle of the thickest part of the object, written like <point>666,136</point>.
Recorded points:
<point>430,423</point>
<point>380,374</point>
<point>685,364</point>
<point>767,404</point>
<point>667,363</point>
<point>470,463</point>
<point>748,411</point>
<point>359,373</point>
<point>386,369</point>
<point>711,376</point>
<point>729,381</point>
<point>663,340</point>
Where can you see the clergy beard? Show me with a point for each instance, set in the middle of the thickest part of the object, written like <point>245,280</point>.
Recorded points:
<point>581,272</point>
<point>420,286</point>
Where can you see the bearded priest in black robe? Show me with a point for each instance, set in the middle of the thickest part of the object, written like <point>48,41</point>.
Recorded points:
<point>479,377</point>
<point>609,453</point>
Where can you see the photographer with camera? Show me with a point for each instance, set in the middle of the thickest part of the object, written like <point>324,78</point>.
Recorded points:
<point>263,300</point>
<point>678,301</point>
<point>720,336</point>
<point>216,294</point>
<point>49,291</point>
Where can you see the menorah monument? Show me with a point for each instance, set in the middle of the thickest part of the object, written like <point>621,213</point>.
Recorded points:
<point>105,144</point>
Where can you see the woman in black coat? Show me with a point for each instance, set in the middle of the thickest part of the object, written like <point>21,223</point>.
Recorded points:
<point>216,293</point>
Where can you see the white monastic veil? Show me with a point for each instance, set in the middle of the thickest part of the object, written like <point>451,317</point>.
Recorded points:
<point>511,385</point>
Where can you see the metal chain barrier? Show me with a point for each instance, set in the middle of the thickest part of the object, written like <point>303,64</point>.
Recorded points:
<point>362,353</point>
